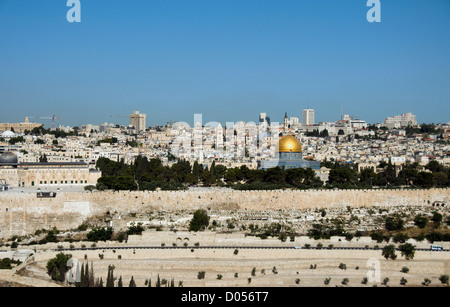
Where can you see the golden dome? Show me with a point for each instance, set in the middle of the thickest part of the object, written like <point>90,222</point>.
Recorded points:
<point>289,143</point>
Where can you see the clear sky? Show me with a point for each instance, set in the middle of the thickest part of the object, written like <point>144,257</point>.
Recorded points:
<point>227,59</point>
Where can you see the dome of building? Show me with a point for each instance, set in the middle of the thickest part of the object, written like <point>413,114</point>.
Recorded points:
<point>8,134</point>
<point>8,158</point>
<point>289,143</point>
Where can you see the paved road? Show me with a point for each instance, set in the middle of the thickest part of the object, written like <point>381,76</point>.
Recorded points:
<point>229,247</point>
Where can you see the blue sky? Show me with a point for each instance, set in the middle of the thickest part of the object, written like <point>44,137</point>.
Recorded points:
<point>227,59</point>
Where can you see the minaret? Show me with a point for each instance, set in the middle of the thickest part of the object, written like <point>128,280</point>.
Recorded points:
<point>286,123</point>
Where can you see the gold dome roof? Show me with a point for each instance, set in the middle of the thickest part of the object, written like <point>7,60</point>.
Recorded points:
<point>289,143</point>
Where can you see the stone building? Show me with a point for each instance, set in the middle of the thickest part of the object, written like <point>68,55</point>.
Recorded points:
<point>19,127</point>
<point>32,174</point>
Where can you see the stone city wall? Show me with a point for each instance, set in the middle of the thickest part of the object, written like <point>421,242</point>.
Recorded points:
<point>24,213</point>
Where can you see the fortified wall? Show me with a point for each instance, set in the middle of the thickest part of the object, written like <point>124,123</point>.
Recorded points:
<point>22,214</point>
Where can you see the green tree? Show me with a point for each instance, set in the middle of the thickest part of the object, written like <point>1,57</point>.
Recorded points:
<point>388,252</point>
<point>132,283</point>
<point>110,278</point>
<point>420,221</point>
<point>85,276</point>
<point>43,159</point>
<point>82,277</point>
<point>444,279</point>
<point>200,221</point>
<point>408,250</point>
<point>100,234</point>
<point>437,219</point>
<point>57,267</point>
<point>425,180</point>
<point>274,175</point>
<point>393,223</point>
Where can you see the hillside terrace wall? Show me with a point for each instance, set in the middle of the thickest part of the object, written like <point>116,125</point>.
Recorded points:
<point>22,214</point>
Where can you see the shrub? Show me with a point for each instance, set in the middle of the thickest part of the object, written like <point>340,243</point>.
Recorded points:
<point>201,275</point>
<point>100,234</point>
<point>426,282</point>
<point>444,279</point>
<point>200,221</point>
<point>403,281</point>
<point>57,267</point>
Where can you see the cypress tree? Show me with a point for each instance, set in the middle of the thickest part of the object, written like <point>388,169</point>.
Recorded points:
<point>158,282</point>
<point>213,169</point>
<point>85,276</point>
<point>110,279</point>
<point>99,283</point>
<point>132,283</point>
<point>120,284</point>
<point>81,281</point>
<point>62,272</point>
<point>91,278</point>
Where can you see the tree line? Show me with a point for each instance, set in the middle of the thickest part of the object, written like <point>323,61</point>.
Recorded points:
<point>149,175</point>
<point>343,175</point>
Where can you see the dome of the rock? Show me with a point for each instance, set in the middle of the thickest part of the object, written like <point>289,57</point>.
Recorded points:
<point>289,143</point>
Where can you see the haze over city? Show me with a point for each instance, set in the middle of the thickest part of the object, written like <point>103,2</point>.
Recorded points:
<point>228,60</point>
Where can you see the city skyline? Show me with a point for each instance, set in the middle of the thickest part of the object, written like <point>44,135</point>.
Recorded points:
<point>227,61</point>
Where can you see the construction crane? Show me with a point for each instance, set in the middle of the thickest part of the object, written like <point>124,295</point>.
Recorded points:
<point>52,118</point>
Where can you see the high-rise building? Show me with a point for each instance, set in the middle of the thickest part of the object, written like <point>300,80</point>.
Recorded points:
<point>308,117</point>
<point>400,121</point>
<point>137,120</point>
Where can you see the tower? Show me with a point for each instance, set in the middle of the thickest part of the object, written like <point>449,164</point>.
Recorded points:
<point>138,121</point>
<point>308,117</point>
<point>286,122</point>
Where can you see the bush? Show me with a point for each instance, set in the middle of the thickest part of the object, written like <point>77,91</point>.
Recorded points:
<point>57,267</point>
<point>6,263</point>
<point>407,250</point>
<point>400,237</point>
<point>394,223</point>
<point>388,252</point>
<point>403,281</point>
<point>200,221</point>
<point>100,234</point>
<point>444,279</point>
<point>135,230</point>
